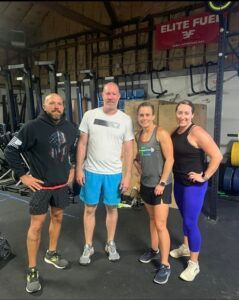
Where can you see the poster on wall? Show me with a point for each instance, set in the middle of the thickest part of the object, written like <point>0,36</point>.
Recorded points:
<point>187,31</point>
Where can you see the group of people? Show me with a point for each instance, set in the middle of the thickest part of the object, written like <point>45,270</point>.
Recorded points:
<point>57,156</point>
<point>184,154</point>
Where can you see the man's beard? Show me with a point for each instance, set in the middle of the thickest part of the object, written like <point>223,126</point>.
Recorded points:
<point>54,118</point>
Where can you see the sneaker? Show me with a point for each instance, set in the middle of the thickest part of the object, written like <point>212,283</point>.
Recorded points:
<point>110,248</point>
<point>54,258</point>
<point>162,274</point>
<point>148,256</point>
<point>33,284</point>
<point>85,257</point>
<point>183,250</point>
<point>190,272</point>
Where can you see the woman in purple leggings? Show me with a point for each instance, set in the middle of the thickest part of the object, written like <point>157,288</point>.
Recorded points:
<point>191,143</point>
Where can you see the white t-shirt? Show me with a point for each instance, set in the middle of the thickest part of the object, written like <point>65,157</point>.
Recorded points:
<point>106,134</point>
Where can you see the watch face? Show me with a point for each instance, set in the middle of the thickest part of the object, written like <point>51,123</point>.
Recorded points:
<point>162,183</point>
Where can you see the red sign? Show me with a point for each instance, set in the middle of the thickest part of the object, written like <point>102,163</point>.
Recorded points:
<point>187,31</point>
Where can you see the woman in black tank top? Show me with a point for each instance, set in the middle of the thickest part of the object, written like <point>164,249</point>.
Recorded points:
<point>190,144</point>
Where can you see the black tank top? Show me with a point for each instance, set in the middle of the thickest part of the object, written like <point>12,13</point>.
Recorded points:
<point>187,158</point>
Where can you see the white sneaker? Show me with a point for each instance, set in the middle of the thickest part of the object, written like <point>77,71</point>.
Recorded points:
<point>190,272</point>
<point>183,250</point>
<point>110,248</point>
<point>87,253</point>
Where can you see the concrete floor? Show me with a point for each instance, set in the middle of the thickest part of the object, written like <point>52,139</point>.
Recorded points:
<point>126,279</point>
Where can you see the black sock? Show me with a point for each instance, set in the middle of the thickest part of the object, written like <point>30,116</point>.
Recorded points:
<point>155,251</point>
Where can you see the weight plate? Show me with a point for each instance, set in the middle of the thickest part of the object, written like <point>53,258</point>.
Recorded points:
<point>235,154</point>
<point>227,179</point>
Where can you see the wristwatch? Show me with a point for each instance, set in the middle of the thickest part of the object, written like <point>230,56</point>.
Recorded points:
<point>162,183</point>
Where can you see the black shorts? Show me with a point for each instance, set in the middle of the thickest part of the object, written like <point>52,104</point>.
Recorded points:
<point>148,196</point>
<point>41,200</point>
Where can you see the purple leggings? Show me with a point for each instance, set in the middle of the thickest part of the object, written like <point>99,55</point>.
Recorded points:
<point>190,200</point>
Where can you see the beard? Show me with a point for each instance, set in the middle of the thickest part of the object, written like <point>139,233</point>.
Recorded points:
<point>54,117</point>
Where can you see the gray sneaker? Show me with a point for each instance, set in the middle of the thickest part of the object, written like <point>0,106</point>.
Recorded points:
<point>33,283</point>
<point>149,255</point>
<point>110,248</point>
<point>55,259</point>
<point>85,257</point>
<point>162,274</point>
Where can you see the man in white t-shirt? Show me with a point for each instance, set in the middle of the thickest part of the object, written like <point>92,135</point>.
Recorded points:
<point>106,133</point>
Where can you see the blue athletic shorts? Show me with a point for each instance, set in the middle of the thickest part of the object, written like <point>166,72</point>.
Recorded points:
<point>101,185</point>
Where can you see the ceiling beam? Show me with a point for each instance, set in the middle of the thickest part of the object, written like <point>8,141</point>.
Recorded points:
<point>111,13</point>
<point>74,16</point>
<point>25,14</point>
<point>4,6</point>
